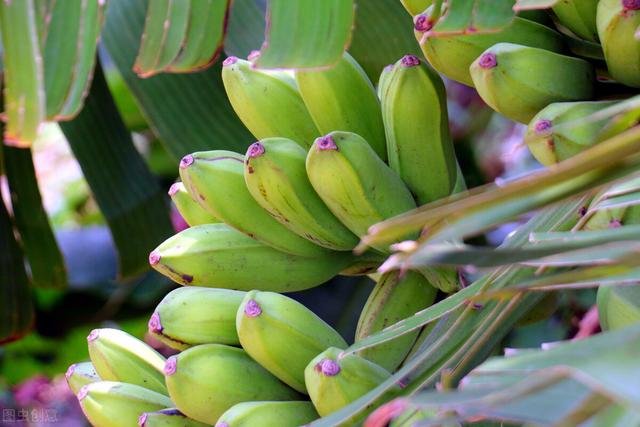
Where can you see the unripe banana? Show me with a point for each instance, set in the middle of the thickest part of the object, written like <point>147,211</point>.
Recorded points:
<point>192,315</point>
<point>518,81</point>
<point>170,417</point>
<point>191,211</point>
<point>206,380</point>
<point>549,145</point>
<point>618,306</point>
<point>216,180</point>
<point>267,103</point>
<point>79,375</point>
<point>618,22</point>
<point>343,98</point>
<point>420,150</point>
<point>216,255</point>
<point>395,297</point>
<point>276,177</point>
<point>579,16</point>
<point>118,356</point>
<point>268,414</point>
<point>354,183</point>
<point>283,335</point>
<point>117,404</point>
<point>452,55</point>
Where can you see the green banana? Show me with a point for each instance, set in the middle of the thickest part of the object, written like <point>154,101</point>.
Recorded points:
<point>613,217</point>
<point>518,81</point>
<point>192,315</point>
<point>618,306</point>
<point>354,183</point>
<point>216,255</point>
<point>118,356</point>
<point>452,55</point>
<point>117,404</point>
<point>267,103</point>
<point>549,145</point>
<point>618,22</point>
<point>170,417</point>
<point>395,297</point>
<point>79,375</point>
<point>216,180</point>
<point>276,177</point>
<point>190,210</point>
<point>343,98</point>
<point>283,335</point>
<point>206,380</point>
<point>414,7</point>
<point>268,414</point>
<point>420,149</point>
<point>579,16</point>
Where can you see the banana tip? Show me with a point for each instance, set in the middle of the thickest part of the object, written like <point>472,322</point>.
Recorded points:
<point>488,60</point>
<point>186,161</point>
<point>142,419</point>
<point>423,23</point>
<point>83,392</point>
<point>328,367</point>
<point>254,54</point>
<point>170,366</point>
<point>154,257</point>
<point>252,308</point>
<point>615,223</point>
<point>255,150</point>
<point>326,143</point>
<point>175,187</point>
<point>155,325</point>
<point>631,4</point>
<point>222,424</point>
<point>410,61</point>
<point>542,126</point>
<point>230,61</point>
<point>70,370</point>
<point>93,335</point>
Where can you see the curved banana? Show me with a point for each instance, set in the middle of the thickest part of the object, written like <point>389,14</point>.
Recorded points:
<point>395,297</point>
<point>192,315</point>
<point>518,81</point>
<point>343,98</point>
<point>191,211</point>
<point>216,255</point>
<point>420,149</point>
<point>267,103</point>
<point>579,16</point>
<point>283,335</point>
<point>206,380</point>
<point>216,180</point>
<point>268,414</point>
<point>79,375</point>
<point>276,178</point>
<point>118,356</point>
<point>170,417</point>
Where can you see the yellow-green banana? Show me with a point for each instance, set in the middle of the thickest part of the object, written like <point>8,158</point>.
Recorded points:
<point>117,404</point>
<point>216,180</point>
<point>206,380</point>
<point>518,81</point>
<point>618,22</point>
<point>283,335</point>
<point>396,296</point>
<point>276,178</point>
<point>618,306</point>
<point>193,315</point>
<point>267,103</point>
<point>118,356</point>
<point>420,149</point>
<point>343,98</point>
<point>216,255</point>
<point>79,375</point>
<point>579,16</point>
<point>191,211</point>
<point>559,130</point>
<point>268,414</point>
<point>170,417</point>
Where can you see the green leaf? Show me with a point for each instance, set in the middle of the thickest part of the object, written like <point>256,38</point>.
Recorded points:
<point>474,16</point>
<point>39,243</point>
<point>23,74</point>
<point>246,27</point>
<point>132,202</point>
<point>306,33</point>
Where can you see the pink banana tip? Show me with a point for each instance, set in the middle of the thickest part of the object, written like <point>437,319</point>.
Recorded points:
<point>542,126</point>
<point>93,335</point>
<point>155,325</point>
<point>154,257</point>
<point>253,55</point>
<point>70,371</point>
<point>255,150</point>
<point>186,161</point>
<point>142,419</point>
<point>222,424</point>
<point>488,60</point>
<point>230,61</point>
<point>631,4</point>
<point>410,61</point>
<point>174,189</point>
<point>423,23</point>
<point>252,308</point>
<point>170,366</point>
<point>83,392</point>
<point>326,143</point>
<point>328,367</point>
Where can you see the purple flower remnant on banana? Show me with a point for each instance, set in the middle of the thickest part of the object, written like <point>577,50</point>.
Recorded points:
<point>328,367</point>
<point>230,61</point>
<point>488,60</point>
<point>543,126</point>
<point>93,335</point>
<point>252,309</point>
<point>255,150</point>
<point>423,23</point>
<point>186,161</point>
<point>410,61</point>
<point>155,325</point>
<point>154,257</point>
<point>631,4</point>
<point>326,143</point>
<point>171,366</point>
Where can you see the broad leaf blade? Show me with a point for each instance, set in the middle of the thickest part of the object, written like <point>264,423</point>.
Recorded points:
<point>246,27</point>
<point>474,16</point>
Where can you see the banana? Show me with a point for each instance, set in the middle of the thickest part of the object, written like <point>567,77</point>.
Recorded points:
<point>268,104</point>
<point>118,356</point>
<point>117,404</point>
<point>343,98</point>
<point>190,210</point>
<point>283,335</point>
<point>79,375</point>
<point>420,149</point>
<point>383,80</point>
<point>206,380</point>
<point>170,417</point>
<point>216,180</point>
<point>190,316</point>
<point>518,81</point>
<point>268,414</point>
<point>216,255</point>
<point>618,306</point>
<point>579,16</point>
<point>395,297</point>
<point>414,7</point>
<point>549,145</point>
<point>276,178</point>
<point>618,21</point>
<point>354,183</point>
<point>452,55</point>
<point>613,218</point>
